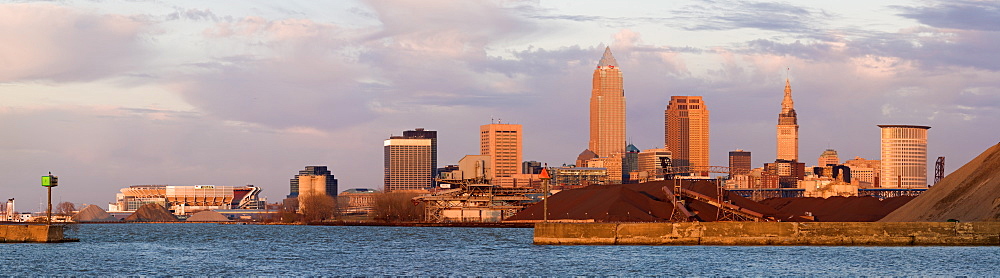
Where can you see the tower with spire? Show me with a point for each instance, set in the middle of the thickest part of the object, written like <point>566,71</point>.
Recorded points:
<point>788,127</point>
<point>607,108</point>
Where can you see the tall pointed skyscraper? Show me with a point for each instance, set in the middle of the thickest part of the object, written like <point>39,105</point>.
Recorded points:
<point>788,127</point>
<point>607,108</point>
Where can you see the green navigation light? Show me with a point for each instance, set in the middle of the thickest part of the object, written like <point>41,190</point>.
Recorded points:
<point>50,181</point>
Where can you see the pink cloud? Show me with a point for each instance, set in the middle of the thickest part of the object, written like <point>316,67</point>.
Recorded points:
<point>47,42</point>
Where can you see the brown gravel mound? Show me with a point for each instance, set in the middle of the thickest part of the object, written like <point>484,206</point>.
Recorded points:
<point>645,202</point>
<point>838,209</point>
<point>208,216</point>
<point>971,193</point>
<point>151,213</point>
<point>93,213</point>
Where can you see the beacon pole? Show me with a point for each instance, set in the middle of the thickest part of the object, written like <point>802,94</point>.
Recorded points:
<point>48,210</point>
<point>544,176</point>
<point>49,181</point>
<point>545,203</point>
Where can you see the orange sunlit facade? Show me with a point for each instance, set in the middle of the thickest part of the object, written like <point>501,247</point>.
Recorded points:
<point>607,108</point>
<point>904,156</point>
<point>407,164</point>
<point>686,131</point>
<point>788,128</point>
<point>502,142</point>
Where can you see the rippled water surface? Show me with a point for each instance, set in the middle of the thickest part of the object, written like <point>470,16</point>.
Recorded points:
<point>242,250</point>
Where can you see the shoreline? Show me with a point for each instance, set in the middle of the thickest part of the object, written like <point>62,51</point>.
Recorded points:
<point>772,233</point>
<point>344,223</point>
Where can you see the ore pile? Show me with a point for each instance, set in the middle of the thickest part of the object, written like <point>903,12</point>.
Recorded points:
<point>645,202</point>
<point>208,216</point>
<point>971,193</point>
<point>838,209</point>
<point>93,213</point>
<point>151,213</point>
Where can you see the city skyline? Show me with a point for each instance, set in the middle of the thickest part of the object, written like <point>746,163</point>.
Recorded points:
<point>107,95</point>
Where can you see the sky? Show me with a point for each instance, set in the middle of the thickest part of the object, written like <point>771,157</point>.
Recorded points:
<point>107,94</point>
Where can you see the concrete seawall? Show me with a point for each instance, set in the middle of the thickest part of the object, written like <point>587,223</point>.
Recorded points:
<point>19,233</point>
<point>770,233</point>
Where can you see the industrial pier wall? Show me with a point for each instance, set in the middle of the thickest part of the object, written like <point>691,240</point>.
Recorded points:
<point>770,233</point>
<point>31,233</point>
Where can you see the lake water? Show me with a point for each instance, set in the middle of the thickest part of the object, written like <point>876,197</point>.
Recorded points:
<point>258,250</point>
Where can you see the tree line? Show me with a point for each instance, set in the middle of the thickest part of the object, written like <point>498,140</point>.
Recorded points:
<point>394,207</point>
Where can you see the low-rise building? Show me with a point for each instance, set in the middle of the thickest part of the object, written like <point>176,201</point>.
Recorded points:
<point>577,177</point>
<point>613,164</point>
<point>650,165</point>
<point>357,201</point>
<point>782,174</point>
<point>865,171</point>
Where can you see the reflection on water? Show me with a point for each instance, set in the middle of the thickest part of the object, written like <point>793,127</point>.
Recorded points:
<point>217,250</point>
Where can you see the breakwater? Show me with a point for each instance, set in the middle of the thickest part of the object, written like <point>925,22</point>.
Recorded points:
<point>424,224</point>
<point>32,233</point>
<point>771,233</point>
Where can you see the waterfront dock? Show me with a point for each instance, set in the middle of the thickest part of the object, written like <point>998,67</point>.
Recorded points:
<point>771,233</point>
<point>22,233</point>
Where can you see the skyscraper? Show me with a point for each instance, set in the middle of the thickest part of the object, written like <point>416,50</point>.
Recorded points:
<point>686,131</point>
<point>420,133</point>
<point>313,173</point>
<point>739,162</point>
<point>904,156</point>
<point>502,142</point>
<point>788,127</point>
<point>407,164</point>
<point>631,163</point>
<point>607,108</point>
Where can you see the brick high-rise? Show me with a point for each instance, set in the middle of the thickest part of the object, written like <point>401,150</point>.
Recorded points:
<point>686,131</point>
<point>739,162</point>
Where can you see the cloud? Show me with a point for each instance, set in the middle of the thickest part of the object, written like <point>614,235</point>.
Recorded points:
<point>194,14</point>
<point>301,73</point>
<point>444,27</point>
<point>957,14</point>
<point>706,16</point>
<point>728,15</point>
<point>434,53</point>
<point>957,33</point>
<point>936,48</point>
<point>47,42</point>
<point>810,51</point>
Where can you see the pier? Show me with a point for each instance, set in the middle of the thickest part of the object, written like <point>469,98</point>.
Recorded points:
<point>21,233</point>
<point>771,233</point>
